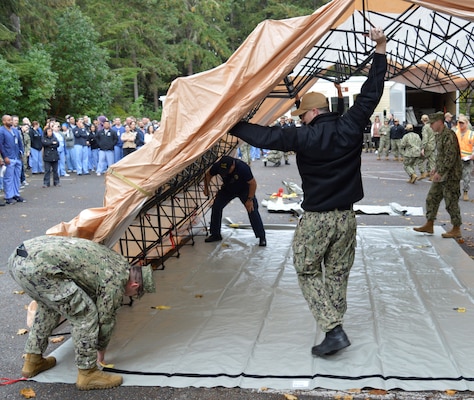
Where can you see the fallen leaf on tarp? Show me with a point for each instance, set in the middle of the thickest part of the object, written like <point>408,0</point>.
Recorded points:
<point>161,307</point>
<point>28,393</point>
<point>18,292</point>
<point>378,392</point>
<point>1,272</point>
<point>450,392</point>
<point>57,339</point>
<point>355,390</point>
<point>106,365</point>
<point>290,397</point>
<point>198,296</point>
<point>22,331</point>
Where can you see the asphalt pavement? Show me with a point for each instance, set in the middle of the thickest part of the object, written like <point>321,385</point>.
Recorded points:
<point>384,183</point>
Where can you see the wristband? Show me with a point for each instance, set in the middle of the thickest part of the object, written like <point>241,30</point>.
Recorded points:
<point>250,198</point>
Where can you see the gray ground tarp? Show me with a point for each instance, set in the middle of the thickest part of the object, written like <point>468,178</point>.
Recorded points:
<point>236,317</point>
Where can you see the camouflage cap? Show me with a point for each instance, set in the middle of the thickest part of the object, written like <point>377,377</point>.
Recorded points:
<point>438,116</point>
<point>148,282</point>
<point>144,275</point>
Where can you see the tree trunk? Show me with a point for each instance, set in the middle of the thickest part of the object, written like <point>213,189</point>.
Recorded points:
<point>15,20</point>
<point>135,78</point>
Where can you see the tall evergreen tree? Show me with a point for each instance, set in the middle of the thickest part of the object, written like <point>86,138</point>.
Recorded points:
<point>10,88</point>
<point>38,81</point>
<point>84,78</point>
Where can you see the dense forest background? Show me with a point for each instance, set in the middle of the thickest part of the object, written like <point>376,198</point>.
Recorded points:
<point>117,57</point>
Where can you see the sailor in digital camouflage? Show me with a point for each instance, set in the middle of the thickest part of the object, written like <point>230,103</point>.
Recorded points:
<point>84,282</point>
<point>446,177</point>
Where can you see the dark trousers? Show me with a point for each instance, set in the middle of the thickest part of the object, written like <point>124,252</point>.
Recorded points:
<point>48,166</point>
<point>221,200</point>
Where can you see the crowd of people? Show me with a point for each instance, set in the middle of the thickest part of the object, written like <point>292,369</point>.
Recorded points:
<point>79,146</point>
<point>418,151</point>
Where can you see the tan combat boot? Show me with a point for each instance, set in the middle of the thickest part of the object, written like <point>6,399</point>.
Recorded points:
<point>94,378</point>
<point>413,178</point>
<point>465,197</point>
<point>453,233</point>
<point>35,363</point>
<point>423,176</point>
<point>426,228</point>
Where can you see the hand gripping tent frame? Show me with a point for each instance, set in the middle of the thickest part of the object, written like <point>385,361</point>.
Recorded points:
<point>153,201</point>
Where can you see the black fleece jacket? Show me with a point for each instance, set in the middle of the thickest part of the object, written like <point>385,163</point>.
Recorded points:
<point>328,150</point>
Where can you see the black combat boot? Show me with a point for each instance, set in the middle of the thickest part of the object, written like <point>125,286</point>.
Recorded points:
<point>335,340</point>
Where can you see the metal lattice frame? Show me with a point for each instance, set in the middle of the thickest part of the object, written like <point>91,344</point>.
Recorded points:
<point>415,37</point>
<point>175,214</point>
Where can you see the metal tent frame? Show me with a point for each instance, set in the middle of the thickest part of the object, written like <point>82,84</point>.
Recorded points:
<point>427,49</point>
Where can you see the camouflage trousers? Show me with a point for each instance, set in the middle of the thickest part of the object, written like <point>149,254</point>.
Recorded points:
<point>466,175</point>
<point>395,147</point>
<point>245,150</point>
<point>58,297</point>
<point>449,191</point>
<point>274,156</point>
<point>410,164</point>
<point>428,162</point>
<point>384,145</point>
<point>323,253</point>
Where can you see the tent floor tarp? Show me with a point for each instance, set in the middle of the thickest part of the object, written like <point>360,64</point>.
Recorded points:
<point>234,316</point>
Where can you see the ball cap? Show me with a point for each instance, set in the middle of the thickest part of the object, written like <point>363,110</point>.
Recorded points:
<point>311,100</point>
<point>224,165</point>
<point>437,116</point>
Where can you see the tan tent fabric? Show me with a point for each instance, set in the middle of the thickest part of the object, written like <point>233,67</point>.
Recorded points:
<point>462,9</point>
<point>199,109</point>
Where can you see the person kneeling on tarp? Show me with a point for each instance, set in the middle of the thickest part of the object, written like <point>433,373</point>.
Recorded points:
<point>84,282</point>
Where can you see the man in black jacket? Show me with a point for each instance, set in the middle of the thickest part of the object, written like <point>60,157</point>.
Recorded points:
<point>107,139</point>
<point>328,155</point>
<point>397,132</point>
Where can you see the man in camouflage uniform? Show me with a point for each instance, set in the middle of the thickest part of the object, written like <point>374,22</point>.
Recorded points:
<point>274,156</point>
<point>84,282</point>
<point>428,148</point>
<point>410,146</point>
<point>328,155</point>
<point>446,177</point>
<point>384,143</point>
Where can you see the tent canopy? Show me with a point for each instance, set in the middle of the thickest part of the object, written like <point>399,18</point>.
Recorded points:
<point>430,47</point>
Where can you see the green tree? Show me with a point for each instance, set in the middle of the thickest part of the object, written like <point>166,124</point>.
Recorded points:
<point>246,15</point>
<point>85,82</point>
<point>38,81</point>
<point>137,42</point>
<point>10,88</point>
<point>199,28</point>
